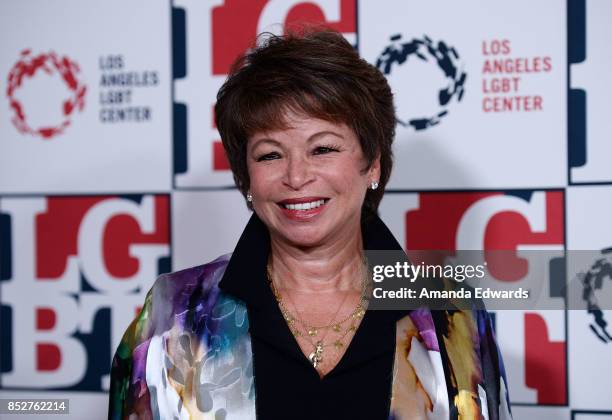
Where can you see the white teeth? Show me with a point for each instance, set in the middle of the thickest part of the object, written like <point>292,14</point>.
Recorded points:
<point>304,206</point>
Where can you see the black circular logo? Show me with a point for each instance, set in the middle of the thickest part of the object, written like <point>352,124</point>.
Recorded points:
<point>398,53</point>
<point>592,284</point>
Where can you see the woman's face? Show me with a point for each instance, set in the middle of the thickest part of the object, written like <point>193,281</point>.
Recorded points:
<point>307,181</point>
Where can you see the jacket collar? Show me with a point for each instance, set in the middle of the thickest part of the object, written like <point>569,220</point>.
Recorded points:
<point>245,278</point>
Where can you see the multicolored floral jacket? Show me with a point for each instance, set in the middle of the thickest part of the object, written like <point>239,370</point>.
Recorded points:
<point>188,355</point>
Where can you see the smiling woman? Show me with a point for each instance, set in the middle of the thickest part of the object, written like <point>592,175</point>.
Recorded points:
<point>281,327</point>
<point>315,74</point>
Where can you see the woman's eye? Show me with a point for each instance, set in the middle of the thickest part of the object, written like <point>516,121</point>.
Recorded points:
<point>324,150</point>
<point>268,156</point>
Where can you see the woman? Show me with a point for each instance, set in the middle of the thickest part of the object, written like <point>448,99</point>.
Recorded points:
<point>280,329</point>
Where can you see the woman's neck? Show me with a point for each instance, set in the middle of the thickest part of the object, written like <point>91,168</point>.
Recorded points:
<point>323,269</point>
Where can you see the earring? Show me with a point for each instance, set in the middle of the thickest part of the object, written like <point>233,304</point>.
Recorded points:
<point>249,197</point>
<point>374,185</point>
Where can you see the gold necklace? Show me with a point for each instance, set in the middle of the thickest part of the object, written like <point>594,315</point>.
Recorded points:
<point>316,356</point>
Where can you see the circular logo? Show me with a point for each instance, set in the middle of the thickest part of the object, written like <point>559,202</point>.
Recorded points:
<point>397,54</point>
<point>592,285</point>
<point>51,64</point>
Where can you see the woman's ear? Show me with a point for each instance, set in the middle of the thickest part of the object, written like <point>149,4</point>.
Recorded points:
<point>374,171</point>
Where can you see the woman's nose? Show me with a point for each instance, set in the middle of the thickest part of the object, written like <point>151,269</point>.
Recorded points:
<point>298,173</point>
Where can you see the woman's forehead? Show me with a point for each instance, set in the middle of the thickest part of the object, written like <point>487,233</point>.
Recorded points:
<point>279,114</point>
<point>302,125</point>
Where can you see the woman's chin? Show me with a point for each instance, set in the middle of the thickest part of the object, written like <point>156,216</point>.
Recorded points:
<point>316,232</point>
<point>304,238</point>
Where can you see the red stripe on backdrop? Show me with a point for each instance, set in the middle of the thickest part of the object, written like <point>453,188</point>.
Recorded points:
<point>544,362</point>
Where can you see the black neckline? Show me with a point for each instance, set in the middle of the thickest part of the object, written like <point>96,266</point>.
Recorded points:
<point>245,278</point>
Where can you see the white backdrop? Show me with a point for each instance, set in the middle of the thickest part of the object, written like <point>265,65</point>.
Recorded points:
<point>112,171</point>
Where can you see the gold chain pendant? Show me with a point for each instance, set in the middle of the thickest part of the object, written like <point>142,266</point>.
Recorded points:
<point>317,355</point>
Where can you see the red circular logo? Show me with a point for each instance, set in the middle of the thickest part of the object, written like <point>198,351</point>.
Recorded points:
<point>50,63</point>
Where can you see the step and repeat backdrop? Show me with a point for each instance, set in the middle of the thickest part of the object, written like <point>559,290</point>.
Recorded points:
<point>112,171</point>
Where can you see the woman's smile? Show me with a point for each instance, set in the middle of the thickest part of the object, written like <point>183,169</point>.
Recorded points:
<point>303,209</point>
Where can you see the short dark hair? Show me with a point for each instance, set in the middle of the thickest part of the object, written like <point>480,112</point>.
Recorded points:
<point>315,72</point>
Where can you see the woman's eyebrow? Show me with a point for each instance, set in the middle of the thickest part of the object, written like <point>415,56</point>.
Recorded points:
<point>324,133</point>
<point>264,140</point>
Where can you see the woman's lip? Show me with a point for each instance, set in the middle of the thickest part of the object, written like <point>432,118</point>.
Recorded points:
<point>301,200</point>
<point>301,215</point>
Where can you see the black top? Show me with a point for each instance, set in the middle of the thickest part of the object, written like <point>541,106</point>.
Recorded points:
<point>286,384</point>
